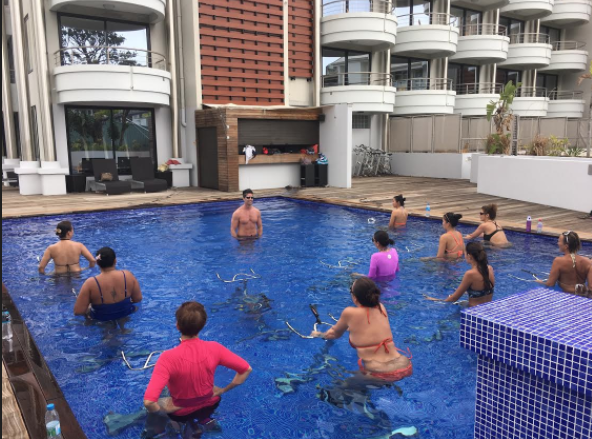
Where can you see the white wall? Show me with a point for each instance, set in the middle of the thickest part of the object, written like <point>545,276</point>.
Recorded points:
<point>475,167</point>
<point>361,137</point>
<point>558,182</point>
<point>270,176</point>
<point>457,166</point>
<point>336,144</point>
<point>162,121</point>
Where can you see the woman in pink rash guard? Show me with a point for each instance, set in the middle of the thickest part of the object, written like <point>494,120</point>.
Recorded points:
<point>188,372</point>
<point>385,263</point>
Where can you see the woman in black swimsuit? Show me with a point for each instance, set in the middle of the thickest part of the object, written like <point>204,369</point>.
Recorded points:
<point>490,230</point>
<point>66,253</point>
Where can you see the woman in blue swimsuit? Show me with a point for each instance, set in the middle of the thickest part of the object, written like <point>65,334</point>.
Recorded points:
<point>112,294</point>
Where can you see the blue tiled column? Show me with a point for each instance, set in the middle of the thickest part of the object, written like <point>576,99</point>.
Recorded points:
<point>534,377</point>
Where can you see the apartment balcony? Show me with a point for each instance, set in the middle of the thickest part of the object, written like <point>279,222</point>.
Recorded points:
<point>151,11</point>
<point>528,9</point>
<point>567,57</point>
<point>367,92</point>
<point>528,52</point>
<point>531,102</point>
<point>426,35</point>
<point>472,99</point>
<point>424,96</point>
<point>358,24</point>
<point>482,44</point>
<point>566,104</point>
<point>483,5</point>
<point>105,74</point>
<point>568,13</point>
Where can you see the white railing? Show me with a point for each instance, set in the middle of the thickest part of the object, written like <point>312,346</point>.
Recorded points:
<point>482,29</point>
<point>531,92</point>
<point>425,19</point>
<point>423,84</point>
<point>530,38</point>
<point>357,78</point>
<point>109,55</point>
<point>556,95</point>
<point>568,45</point>
<point>357,6</point>
<point>476,88</point>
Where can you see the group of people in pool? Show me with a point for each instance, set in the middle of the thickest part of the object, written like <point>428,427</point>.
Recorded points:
<point>188,370</point>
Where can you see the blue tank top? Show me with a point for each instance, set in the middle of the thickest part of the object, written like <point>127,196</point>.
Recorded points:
<point>112,311</point>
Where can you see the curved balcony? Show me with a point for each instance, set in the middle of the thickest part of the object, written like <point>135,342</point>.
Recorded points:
<point>359,24</point>
<point>531,102</point>
<point>107,74</point>
<point>368,92</point>
<point>145,10</point>
<point>426,35</point>
<point>482,44</point>
<point>424,96</point>
<point>472,99</point>
<point>528,9</point>
<point>567,56</point>
<point>484,5</point>
<point>566,104</point>
<point>569,13</point>
<point>528,51</point>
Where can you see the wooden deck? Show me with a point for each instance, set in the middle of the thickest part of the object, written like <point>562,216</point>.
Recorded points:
<point>444,195</point>
<point>13,426</point>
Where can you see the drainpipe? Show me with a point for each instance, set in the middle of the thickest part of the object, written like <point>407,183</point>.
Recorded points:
<point>173,71</point>
<point>179,23</point>
<point>9,134</point>
<point>44,88</point>
<point>21,81</point>
<point>318,56</point>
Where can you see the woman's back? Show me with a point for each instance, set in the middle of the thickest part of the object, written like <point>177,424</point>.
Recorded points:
<point>480,291</point>
<point>492,232</point>
<point>111,287</point>
<point>66,256</point>
<point>369,329</point>
<point>454,243</point>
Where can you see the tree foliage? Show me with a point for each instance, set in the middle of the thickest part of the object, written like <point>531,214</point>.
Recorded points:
<point>87,46</point>
<point>500,112</point>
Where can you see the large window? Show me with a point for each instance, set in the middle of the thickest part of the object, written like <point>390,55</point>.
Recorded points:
<point>343,67</point>
<point>410,73</point>
<point>413,12</point>
<point>98,41</point>
<point>513,26</point>
<point>466,75</point>
<point>554,34</point>
<point>109,133</point>
<point>504,76</point>
<point>550,82</point>
<point>467,20</point>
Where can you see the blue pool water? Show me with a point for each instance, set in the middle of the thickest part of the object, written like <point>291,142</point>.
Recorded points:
<point>175,252</point>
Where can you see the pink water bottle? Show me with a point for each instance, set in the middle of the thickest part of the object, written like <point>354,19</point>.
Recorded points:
<point>528,224</point>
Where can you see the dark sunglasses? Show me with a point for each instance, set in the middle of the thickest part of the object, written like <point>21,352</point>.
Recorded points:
<point>249,198</point>
<point>481,213</point>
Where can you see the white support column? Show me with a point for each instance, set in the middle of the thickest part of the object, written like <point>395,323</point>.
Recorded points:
<point>9,132</point>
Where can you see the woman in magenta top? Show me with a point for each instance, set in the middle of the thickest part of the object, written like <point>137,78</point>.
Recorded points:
<point>385,263</point>
<point>188,372</point>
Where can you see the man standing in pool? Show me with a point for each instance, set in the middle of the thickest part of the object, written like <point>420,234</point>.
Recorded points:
<point>246,220</point>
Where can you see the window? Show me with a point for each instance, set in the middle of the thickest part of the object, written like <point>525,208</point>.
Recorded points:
<point>554,34</point>
<point>549,82</point>
<point>465,79</point>
<point>9,43</point>
<point>504,76</point>
<point>28,46</point>
<point>109,133</point>
<point>513,27</point>
<point>361,122</point>
<point>467,20</point>
<point>35,132</point>
<point>343,67</point>
<point>410,73</point>
<point>413,12</point>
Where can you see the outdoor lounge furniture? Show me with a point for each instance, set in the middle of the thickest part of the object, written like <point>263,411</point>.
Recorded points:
<point>102,167</point>
<point>143,176</point>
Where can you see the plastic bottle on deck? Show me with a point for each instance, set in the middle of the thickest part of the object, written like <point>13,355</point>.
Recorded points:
<point>6,325</point>
<point>540,226</point>
<point>528,224</point>
<point>52,423</point>
<point>428,210</point>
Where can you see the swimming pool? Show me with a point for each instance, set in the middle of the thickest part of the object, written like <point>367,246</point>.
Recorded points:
<point>294,390</point>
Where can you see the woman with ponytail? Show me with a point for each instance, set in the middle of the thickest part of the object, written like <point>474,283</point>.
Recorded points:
<point>451,242</point>
<point>370,334</point>
<point>478,282</point>
<point>66,253</point>
<point>399,215</point>
<point>491,231</point>
<point>385,263</point>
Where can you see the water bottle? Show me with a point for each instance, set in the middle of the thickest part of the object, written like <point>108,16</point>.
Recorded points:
<point>428,210</point>
<point>52,423</point>
<point>540,226</point>
<point>528,224</point>
<point>6,325</point>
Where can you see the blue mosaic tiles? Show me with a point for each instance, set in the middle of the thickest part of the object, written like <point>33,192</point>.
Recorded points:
<point>534,377</point>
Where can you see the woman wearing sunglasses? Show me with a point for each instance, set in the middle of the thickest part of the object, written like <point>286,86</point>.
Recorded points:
<point>491,231</point>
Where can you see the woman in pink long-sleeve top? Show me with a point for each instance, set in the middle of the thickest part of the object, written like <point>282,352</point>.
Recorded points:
<point>385,263</point>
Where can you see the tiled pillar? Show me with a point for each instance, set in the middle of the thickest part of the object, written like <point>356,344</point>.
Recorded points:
<point>534,377</point>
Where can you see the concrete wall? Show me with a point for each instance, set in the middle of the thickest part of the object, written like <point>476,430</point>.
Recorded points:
<point>558,182</point>
<point>361,137</point>
<point>457,166</point>
<point>570,81</point>
<point>336,144</point>
<point>268,176</point>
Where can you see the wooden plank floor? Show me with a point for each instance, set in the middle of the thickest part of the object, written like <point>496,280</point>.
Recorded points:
<point>444,195</point>
<point>13,426</point>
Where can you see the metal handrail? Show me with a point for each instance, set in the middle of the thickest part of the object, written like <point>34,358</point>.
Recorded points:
<point>556,95</point>
<point>109,55</point>
<point>530,38</point>
<point>423,84</point>
<point>482,29</point>
<point>479,88</point>
<point>357,78</point>
<point>531,92</point>
<point>568,45</point>
<point>355,6</point>
<point>426,19</point>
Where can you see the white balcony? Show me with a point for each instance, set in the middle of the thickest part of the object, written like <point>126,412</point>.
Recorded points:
<point>145,10</point>
<point>482,5</point>
<point>567,57</point>
<point>116,75</point>
<point>568,13</point>
<point>472,99</point>
<point>528,9</point>
<point>424,96</point>
<point>482,44</point>
<point>528,51</point>
<point>358,24</point>
<point>531,102</point>
<point>426,36</point>
<point>566,104</point>
<point>365,92</point>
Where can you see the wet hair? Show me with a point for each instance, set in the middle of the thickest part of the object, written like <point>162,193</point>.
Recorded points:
<point>191,318</point>
<point>247,192</point>
<point>366,292</point>
<point>491,210</point>
<point>572,240</point>
<point>400,199</point>
<point>383,238</point>
<point>106,257</point>
<point>477,252</point>
<point>452,218</point>
<point>63,229</point>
